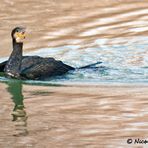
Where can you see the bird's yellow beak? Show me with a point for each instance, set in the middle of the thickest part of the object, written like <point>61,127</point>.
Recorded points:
<point>20,36</point>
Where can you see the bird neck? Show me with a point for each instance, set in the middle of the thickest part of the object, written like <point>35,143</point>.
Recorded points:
<point>14,63</point>
<point>17,47</point>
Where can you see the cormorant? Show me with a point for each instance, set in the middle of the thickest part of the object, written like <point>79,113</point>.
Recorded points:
<point>31,67</point>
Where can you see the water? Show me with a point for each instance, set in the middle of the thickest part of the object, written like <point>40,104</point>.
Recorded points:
<point>114,32</point>
<point>98,107</point>
<point>122,62</point>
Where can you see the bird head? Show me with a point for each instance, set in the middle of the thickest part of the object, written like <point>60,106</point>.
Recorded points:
<point>18,34</point>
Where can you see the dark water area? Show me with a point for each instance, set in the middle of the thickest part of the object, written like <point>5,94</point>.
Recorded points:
<point>98,107</point>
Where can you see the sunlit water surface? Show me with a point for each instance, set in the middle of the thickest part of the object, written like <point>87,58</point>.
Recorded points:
<point>104,112</point>
<point>81,33</point>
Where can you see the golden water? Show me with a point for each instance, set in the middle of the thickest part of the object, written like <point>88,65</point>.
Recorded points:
<point>78,32</point>
<point>53,23</point>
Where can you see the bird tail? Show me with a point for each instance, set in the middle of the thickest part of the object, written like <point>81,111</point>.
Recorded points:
<point>89,66</point>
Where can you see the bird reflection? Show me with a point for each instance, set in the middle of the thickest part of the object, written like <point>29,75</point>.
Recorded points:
<point>19,114</point>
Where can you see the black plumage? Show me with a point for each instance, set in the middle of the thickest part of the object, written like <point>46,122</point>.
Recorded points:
<point>31,67</point>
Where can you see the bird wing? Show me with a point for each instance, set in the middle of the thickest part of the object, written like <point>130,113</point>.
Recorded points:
<point>41,68</point>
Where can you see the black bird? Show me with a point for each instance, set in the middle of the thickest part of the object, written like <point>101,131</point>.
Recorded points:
<point>31,67</point>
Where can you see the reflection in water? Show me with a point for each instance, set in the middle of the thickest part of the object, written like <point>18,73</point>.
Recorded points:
<point>79,33</point>
<point>18,113</point>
